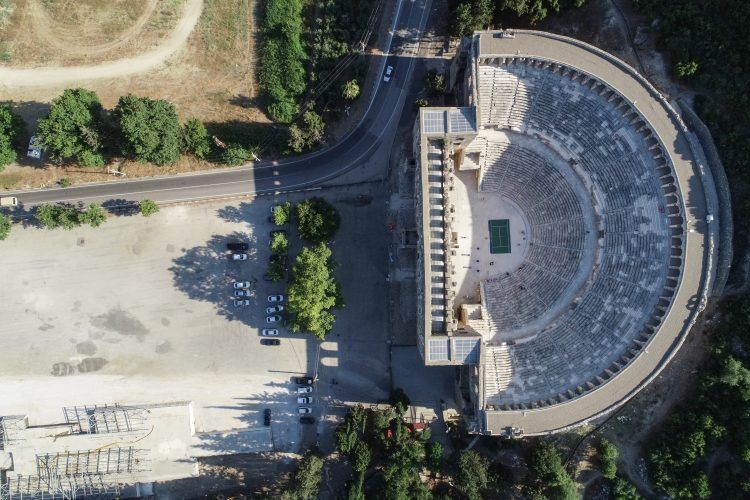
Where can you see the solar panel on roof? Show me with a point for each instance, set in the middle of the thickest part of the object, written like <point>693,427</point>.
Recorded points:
<point>463,120</point>
<point>438,349</point>
<point>466,351</point>
<point>434,122</point>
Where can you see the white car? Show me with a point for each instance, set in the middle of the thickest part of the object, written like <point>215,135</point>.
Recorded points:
<point>304,400</point>
<point>275,298</point>
<point>388,73</point>
<point>274,309</point>
<point>239,256</point>
<point>304,410</point>
<point>272,319</point>
<point>269,332</point>
<point>240,303</point>
<point>242,293</point>
<point>241,284</point>
<point>304,390</point>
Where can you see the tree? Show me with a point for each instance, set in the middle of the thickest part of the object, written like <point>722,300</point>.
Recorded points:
<point>235,154</point>
<point>148,207</point>
<point>686,68</point>
<point>350,90</point>
<point>94,216</point>
<point>195,138</point>
<point>435,83</point>
<point>282,213</point>
<point>622,489</point>
<point>305,483</point>
<point>150,129</point>
<point>54,216</point>
<point>275,270</point>
<point>548,476</point>
<point>361,456</point>
<point>12,127</point>
<point>608,458</point>
<point>472,15</point>
<point>399,400</point>
<point>346,437</point>
<point>434,455</point>
<point>313,292</point>
<point>309,134</point>
<point>73,129</point>
<point>5,225</point>
<point>472,474</point>
<point>317,220</point>
<point>279,244</point>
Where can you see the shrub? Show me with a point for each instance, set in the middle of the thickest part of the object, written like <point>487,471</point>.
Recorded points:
<point>195,138</point>
<point>350,90</point>
<point>94,216</point>
<point>150,129</point>
<point>279,244</point>
<point>5,225</point>
<point>282,214</point>
<point>235,154</point>
<point>54,216</point>
<point>11,128</point>
<point>608,458</point>
<point>64,182</point>
<point>148,207</point>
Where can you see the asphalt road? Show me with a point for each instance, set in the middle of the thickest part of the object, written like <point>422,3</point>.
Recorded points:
<point>369,143</point>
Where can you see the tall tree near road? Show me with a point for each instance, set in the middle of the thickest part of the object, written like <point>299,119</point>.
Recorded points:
<point>305,483</point>
<point>150,129</point>
<point>317,220</point>
<point>12,127</point>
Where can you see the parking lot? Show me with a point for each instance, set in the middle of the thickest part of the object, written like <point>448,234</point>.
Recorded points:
<point>141,311</point>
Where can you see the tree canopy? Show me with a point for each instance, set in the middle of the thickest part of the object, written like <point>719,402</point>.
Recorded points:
<point>73,129</point>
<point>308,134</point>
<point>148,207</point>
<point>150,129</point>
<point>195,138</point>
<point>69,216</point>
<point>472,474</point>
<point>317,220</point>
<point>12,127</point>
<point>5,225</point>
<point>548,478</point>
<point>305,483</point>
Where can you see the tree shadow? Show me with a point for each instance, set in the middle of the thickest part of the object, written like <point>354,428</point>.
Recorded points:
<point>120,206</point>
<point>271,137</point>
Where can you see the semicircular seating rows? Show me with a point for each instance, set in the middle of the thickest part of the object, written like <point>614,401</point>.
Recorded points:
<point>640,245</point>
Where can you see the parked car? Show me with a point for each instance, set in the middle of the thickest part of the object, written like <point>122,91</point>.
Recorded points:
<point>388,73</point>
<point>274,309</point>
<point>273,319</point>
<point>304,400</point>
<point>242,293</point>
<point>304,409</point>
<point>237,246</point>
<point>241,284</point>
<point>267,417</point>
<point>269,332</point>
<point>304,390</point>
<point>240,303</point>
<point>307,420</point>
<point>239,256</point>
<point>270,342</point>
<point>275,298</point>
<point>303,380</point>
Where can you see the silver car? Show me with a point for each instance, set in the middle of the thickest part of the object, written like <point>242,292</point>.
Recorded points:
<point>241,284</point>
<point>274,309</point>
<point>240,303</point>
<point>242,293</point>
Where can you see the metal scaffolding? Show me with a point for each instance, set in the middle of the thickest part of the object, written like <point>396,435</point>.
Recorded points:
<point>106,418</point>
<point>54,486</point>
<point>121,461</point>
<point>10,427</point>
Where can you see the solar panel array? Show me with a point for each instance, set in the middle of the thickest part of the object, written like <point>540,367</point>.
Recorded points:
<point>466,351</point>
<point>434,122</point>
<point>463,120</point>
<point>438,349</point>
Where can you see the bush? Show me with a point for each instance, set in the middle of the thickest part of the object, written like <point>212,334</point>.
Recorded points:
<point>317,220</point>
<point>64,182</point>
<point>148,207</point>
<point>54,216</point>
<point>275,270</point>
<point>11,129</point>
<point>350,90</point>
<point>94,216</point>
<point>279,244</point>
<point>434,455</point>
<point>150,129</point>
<point>73,129</point>
<point>5,225</point>
<point>309,134</point>
<point>195,139</point>
<point>235,154</point>
<point>282,214</point>
<point>607,458</point>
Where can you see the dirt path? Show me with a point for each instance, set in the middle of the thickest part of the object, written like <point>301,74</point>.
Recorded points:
<point>45,77</point>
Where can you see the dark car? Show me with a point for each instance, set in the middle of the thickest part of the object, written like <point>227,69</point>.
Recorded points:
<point>303,380</point>
<point>270,341</point>
<point>267,417</point>
<point>307,420</point>
<point>237,246</point>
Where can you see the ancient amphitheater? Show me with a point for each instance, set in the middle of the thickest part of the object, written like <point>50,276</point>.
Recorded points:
<point>611,216</point>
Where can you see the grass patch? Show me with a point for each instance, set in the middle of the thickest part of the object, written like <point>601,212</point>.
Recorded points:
<point>9,180</point>
<point>225,31</point>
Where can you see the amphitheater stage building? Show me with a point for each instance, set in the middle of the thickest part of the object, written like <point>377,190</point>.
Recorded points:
<point>568,230</point>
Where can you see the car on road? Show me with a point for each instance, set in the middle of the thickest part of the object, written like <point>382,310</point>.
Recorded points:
<point>307,420</point>
<point>267,417</point>
<point>304,390</point>
<point>304,409</point>
<point>304,400</point>
<point>242,293</point>
<point>388,73</point>
<point>240,303</point>
<point>239,256</point>
<point>270,342</point>
<point>273,319</point>
<point>241,284</point>
<point>303,380</point>
<point>237,246</point>
<point>269,332</point>
<point>275,298</point>
<point>274,309</point>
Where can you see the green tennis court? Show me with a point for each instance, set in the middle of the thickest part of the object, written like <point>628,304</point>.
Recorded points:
<point>499,236</point>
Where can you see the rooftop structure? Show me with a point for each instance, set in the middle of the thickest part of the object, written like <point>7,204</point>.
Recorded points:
<point>556,232</point>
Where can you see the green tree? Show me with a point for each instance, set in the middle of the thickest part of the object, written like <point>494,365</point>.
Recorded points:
<point>361,456</point>
<point>73,129</point>
<point>622,489</point>
<point>60,215</point>
<point>313,292</point>
<point>309,134</point>
<point>399,400</point>
<point>607,458</point>
<point>470,16</point>
<point>686,68</point>
<point>279,244</point>
<point>195,139</point>
<point>12,127</point>
<point>150,129</point>
<point>548,476</point>
<point>434,455</point>
<point>282,213</point>
<point>317,220</point>
<point>472,474</point>
<point>235,154</point>
<point>435,83</point>
<point>346,437</point>
<point>94,215</point>
<point>350,90</point>
<point>148,207</point>
<point>5,225</point>
<point>305,484</point>
<point>275,270</point>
